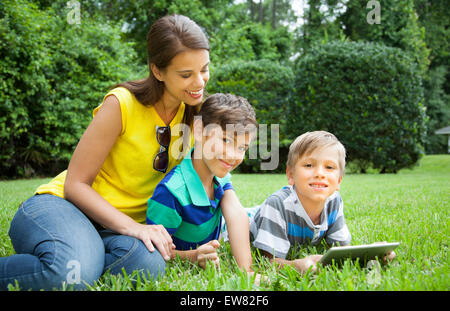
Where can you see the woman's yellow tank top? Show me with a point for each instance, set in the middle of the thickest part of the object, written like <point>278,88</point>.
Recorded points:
<point>127,178</point>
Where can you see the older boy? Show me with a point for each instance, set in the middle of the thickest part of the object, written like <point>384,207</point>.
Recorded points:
<point>187,202</point>
<point>308,210</point>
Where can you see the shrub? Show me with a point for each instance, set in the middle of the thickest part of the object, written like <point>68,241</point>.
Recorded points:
<point>268,87</point>
<point>368,95</point>
<point>53,74</point>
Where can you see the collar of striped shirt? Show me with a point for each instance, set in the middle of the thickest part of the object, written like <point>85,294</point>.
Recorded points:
<point>194,184</point>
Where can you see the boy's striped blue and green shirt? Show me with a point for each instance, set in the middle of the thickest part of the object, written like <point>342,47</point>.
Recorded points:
<point>181,205</point>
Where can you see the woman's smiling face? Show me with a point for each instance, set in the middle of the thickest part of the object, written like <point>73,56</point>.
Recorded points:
<point>185,78</point>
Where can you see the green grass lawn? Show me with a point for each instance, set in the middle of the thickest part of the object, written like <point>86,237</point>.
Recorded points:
<point>411,207</point>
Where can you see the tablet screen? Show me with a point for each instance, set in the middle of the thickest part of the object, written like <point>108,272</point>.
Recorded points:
<point>363,252</point>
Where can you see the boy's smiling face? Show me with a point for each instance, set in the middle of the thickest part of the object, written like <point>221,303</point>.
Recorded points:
<point>316,176</point>
<point>223,151</point>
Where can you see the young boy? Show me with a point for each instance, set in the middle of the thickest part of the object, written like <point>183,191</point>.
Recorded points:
<point>187,202</point>
<point>310,208</point>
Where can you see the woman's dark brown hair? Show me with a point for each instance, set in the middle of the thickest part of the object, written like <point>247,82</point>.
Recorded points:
<point>168,37</point>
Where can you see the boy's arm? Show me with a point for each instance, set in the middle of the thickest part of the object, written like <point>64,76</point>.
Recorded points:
<point>200,255</point>
<point>238,229</point>
<point>163,209</point>
<point>191,255</point>
<point>338,232</point>
<point>270,234</point>
<point>270,229</point>
<point>301,265</point>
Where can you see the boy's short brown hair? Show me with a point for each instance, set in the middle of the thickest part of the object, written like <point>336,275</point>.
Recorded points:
<point>223,109</point>
<point>310,141</point>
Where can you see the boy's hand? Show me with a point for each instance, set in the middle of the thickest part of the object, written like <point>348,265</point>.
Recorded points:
<point>207,252</point>
<point>258,278</point>
<point>389,256</point>
<point>309,262</point>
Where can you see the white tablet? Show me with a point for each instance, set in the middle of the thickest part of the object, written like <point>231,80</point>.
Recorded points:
<point>363,252</point>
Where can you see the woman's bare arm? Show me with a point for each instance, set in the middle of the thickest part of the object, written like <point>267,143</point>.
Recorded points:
<point>87,159</point>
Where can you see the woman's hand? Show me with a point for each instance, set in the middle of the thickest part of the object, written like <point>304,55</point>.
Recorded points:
<point>154,235</point>
<point>207,252</point>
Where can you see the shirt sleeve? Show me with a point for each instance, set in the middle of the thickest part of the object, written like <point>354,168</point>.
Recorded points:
<point>124,98</point>
<point>164,209</point>
<point>225,182</point>
<point>338,232</point>
<point>268,228</point>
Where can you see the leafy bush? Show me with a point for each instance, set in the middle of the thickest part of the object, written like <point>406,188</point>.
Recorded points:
<point>268,87</point>
<point>368,95</point>
<point>52,75</point>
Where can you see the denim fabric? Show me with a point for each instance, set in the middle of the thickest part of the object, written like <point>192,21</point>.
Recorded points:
<point>55,243</point>
<point>130,254</point>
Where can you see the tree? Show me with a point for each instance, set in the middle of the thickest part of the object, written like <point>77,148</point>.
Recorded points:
<point>272,12</point>
<point>399,28</point>
<point>434,17</point>
<point>319,24</point>
<point>250,41</point>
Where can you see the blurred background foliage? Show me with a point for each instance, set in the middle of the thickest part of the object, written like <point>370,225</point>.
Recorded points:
<point>383,89</point>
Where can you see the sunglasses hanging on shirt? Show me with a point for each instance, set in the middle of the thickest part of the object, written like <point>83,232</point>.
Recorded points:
<point>161,160</point>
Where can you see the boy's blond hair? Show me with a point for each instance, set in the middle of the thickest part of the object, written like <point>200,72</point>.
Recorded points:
<point>308,142</point>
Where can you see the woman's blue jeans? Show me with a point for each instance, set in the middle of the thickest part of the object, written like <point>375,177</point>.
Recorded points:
<point>55,243</point>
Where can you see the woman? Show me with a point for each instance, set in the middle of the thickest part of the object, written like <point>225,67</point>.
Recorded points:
<point>89,219</point>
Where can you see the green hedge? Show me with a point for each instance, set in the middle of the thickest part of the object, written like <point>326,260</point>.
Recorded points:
<point>268,87</point>
<point>369,95</point>
<point>52,75</point>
